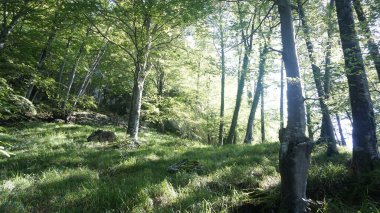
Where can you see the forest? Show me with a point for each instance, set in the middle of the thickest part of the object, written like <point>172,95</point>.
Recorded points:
<point>189,106</point>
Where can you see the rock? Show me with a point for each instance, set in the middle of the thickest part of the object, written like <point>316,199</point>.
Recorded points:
<point>102,136</point>
<point>25,107</point>
<point>172,126</point>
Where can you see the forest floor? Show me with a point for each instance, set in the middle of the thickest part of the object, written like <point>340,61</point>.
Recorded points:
<point>55,169</point>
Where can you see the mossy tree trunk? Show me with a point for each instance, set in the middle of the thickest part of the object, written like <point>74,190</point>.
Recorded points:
<point>372,46</point>
<point>327,132</point>
<point>365,150</point>
<point>259,86</point>
<point>295,147</point>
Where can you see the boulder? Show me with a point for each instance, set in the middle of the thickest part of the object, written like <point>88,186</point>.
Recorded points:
<point>25,106</point>
<point>172,126</point>
<point>102,136</point>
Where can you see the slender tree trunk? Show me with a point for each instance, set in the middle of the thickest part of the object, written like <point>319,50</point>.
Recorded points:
<point>41,60</point>
<point>223,79</point>
<point>63,64</point>
<point>8,26</point>
<point>349,116</point>
<point>259,85</point>
<point>71,78</point>
<point>309,122</point>
<point>295,147</point>
<point>343,141</point>
<point>90,73</point>
<point>282,96</point>
<point>365,150</point>
<point>372,46</point>
<point>262,115</point>
<point>328,129</point>
<point>330,32</point>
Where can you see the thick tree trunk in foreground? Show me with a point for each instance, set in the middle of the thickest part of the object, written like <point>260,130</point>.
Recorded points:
<point>295,147</point>
<point>259,85</point>
<point>365,150</point>
<point>327,134</point>
<point>342,140</point>
<point>372,46</point>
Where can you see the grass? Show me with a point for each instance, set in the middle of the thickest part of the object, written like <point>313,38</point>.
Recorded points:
<point>56,170</point>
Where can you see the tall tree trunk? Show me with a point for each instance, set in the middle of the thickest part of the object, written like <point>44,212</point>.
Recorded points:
<point>262,115</point>
<point>365,150</point>
<point>259,85</point>
<point>63,64</point>
<point>282,95</point>
<point>72,77</point>
<point>248,43</point>
<point>330,32</point>
<point>295,147</point>
<point>138,87</point>
<point>223,79</point>
<point>41,60</point>
<point>372,46</point>
<point>94,65</point>
<point>342,140</point>
<point>8,26</point>
<point>328,128</point>
<point>141,69</point>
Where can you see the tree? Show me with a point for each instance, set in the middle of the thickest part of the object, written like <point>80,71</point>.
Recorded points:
<point>327,131</point>
<point>147,26</point>
<point>258,92</point>
<point>365,150</point>
<point>247,37</point>
<point>13,13</point>
<point>372,46</point>
<point>295,147</point>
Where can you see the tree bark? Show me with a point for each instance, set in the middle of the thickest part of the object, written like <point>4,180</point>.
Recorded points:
<point>141,69</point>
<point>372,46</point>
<point>295,147</point>
<point>327,135</point>
<point>223,79</point>
<point>72,76</point>
<point>262,115</point>
<point>309,122</point>
<point>41,60</point>
<point>94,65</point>
<point>259,85</point>
<point>282,96</point>
<point>342,140</point>
<point>330,32</point>
<point>365,150</point>
<point>248,42</point>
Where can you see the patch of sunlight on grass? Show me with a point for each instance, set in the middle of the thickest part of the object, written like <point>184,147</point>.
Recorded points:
<point>152,157</point>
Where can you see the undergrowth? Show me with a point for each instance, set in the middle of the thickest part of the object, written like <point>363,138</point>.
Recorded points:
<point>55,169</point>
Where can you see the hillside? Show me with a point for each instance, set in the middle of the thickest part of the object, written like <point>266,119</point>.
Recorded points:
<point>55,169</point>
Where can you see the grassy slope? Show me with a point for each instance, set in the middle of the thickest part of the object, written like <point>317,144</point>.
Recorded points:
<point>55,169</point>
